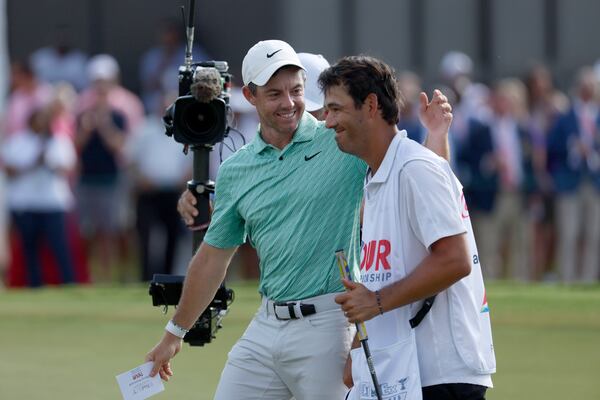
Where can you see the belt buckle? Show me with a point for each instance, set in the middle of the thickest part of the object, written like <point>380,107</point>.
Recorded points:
<point>290,307</point>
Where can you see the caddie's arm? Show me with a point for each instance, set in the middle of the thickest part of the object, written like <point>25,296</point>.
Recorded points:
<point>447,263</point>
<point>205,274</point>
<point>436,117</point>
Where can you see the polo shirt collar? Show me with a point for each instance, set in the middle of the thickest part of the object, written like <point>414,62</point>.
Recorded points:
<point>385,168</point>
<point>304,133</point>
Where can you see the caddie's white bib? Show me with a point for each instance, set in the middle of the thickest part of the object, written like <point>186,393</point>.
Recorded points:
<point>391,339</point>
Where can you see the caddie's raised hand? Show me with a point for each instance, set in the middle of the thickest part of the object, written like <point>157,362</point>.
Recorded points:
<point>186,207</point>
<point>162,354</point>
<point>358,303</point>
<point>436,115</point>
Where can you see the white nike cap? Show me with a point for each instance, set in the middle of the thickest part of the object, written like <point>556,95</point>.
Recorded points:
<point>265,58</point>
<point>314,64</point>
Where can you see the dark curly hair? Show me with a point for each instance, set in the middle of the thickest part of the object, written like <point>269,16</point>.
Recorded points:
<point>362,75</point>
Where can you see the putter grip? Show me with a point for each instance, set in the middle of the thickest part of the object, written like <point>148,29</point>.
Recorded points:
<point>345,274</point>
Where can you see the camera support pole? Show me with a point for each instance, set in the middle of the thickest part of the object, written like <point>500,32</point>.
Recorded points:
<point>202,187</point>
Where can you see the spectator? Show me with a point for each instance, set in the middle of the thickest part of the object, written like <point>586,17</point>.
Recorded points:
<point>495,165</point>
<point>511,152</point>
<point>39,195</point>
<point>469,106</point>
<point>62,109</point>
<point>26,95</point>
<point>103,75</point>
<point>410,87</point>
<point>160,170</point>
<point>545,104</point>
<point>100,139</point>
<point>574,163</point>
<point>477,166</point>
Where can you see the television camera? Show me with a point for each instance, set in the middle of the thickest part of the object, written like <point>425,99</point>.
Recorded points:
<point>199,118</point>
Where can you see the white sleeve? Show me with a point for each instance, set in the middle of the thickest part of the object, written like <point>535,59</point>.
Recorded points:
<point>20,151</point>
<point>60,153</point>
<point>433,208</point>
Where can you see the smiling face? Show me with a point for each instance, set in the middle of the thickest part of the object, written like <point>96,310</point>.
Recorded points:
<point>348,121</point>
<point>279,103</point>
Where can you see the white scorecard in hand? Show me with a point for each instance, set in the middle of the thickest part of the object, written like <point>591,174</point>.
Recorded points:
<point>137,383</point>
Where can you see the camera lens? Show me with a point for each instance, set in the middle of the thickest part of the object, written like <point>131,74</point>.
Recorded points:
<point>195,122</point>
<point>201,118</point>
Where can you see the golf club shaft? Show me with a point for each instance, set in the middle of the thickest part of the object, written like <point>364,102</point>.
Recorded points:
<point>361,329</point>
<point>365,345</point>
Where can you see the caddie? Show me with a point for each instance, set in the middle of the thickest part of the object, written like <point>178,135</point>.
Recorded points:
<point>417,242</point>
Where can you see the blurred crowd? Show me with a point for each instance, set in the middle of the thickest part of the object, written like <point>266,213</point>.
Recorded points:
<point>528,156</point>
<point>90,181</point>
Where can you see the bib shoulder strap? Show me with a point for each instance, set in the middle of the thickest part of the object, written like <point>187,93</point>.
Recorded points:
<point>427,304</point>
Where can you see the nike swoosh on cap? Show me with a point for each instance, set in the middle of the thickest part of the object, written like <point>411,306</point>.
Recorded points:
<point>273,53</point>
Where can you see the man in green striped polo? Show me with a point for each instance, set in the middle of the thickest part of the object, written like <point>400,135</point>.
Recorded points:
<point>296,198</point>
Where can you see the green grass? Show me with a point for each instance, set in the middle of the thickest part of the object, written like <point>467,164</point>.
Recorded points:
<point>70,343</point>
<point>547,341</point>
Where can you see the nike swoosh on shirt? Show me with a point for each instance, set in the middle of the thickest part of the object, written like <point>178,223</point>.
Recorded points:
<point>306,158</point>
<point>273,53</point>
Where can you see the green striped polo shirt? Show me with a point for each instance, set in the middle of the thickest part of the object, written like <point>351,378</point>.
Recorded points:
<point>297,206</point>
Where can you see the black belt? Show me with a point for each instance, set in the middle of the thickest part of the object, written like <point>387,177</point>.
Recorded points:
<point>293,310</point>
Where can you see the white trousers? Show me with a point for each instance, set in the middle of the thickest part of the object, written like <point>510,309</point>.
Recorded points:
<point>280,359</point>
<point>578,216</point>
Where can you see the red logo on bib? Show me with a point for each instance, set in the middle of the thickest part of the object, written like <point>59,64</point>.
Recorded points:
<point>375,254</point>
<point>465,210</point>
